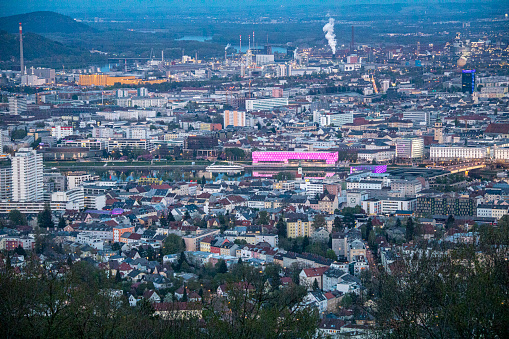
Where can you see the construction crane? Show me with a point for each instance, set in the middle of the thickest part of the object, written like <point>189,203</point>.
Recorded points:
<point>374,84</point>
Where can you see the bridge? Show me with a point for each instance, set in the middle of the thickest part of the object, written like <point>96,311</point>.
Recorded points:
<point>463,167</point>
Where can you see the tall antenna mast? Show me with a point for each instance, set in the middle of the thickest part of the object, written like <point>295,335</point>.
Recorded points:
<point>240,44</point>
<point>22,62</point>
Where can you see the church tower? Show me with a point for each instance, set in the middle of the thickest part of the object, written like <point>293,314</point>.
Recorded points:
<point>439,136</point>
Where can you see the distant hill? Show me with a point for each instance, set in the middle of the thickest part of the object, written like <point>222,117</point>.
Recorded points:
<point>43,23</point>
<point>40,51</point>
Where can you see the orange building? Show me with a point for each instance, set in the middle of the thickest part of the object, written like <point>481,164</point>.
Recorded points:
<point>234,118</point>
<point>119,230</point>
<point>106,80</point>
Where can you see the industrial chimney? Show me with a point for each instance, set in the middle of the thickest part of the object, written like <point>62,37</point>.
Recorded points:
<point>352,43</point>
<point>22,62</point>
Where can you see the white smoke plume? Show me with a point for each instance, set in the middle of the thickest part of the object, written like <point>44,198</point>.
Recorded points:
<point>328,29</point>
<point>227,46</point>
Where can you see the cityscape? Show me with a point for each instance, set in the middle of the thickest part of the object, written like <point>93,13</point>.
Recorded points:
<point>253,169</point>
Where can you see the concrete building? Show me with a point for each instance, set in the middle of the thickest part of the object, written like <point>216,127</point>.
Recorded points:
<point>17,104</point>
<point>27,176</point>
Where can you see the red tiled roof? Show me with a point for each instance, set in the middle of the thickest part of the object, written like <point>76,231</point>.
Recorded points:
<point>498,128</point>
<point>316,271</point>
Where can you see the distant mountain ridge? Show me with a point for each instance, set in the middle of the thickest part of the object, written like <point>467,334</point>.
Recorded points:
<point>43,23</point>
<point>41,51</point>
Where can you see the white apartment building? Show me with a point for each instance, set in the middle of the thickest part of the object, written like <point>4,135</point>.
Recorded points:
<point>364,185</point>
<point>492,211</point>
<point>457,152</point>
<point>407,188</point>
<point>74,199</point>
<point>388,205</point>
<point>265,104</point>
<point>410,148</point>
<point>136,133</point>
<point>372,206</point>
<point>391,205</point>
<point>95,202</point>
<point>27,176</point>
<point>102,132</point>
<point>132,114</point>
<point>61,132</point>
<point>130,143</point>
<point>142,102</point>
<point>76,179</point>
<point>312,188</point>
<point>17,104</point>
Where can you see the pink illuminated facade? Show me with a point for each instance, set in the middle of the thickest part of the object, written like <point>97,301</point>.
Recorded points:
<point>329,157</point>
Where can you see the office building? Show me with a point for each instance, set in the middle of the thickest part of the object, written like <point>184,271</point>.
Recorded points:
<point>410,148</point>
<point>419,117</point>
<point>336,120</point>
<point>234,118</point>
<point>265,104</point>
<point>468,81</point>
<point>27,176</point>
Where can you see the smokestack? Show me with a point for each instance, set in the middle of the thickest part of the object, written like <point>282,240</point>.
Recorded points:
<point>22,62</point>
<point>254,46</point>
<point>353,43</point>
<point>240,44</point>
<point>249,41</point>
<point>162,56</point>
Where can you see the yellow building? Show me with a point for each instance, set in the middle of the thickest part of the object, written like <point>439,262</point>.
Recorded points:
<point>298,226</point>
<point>150,181</point>
<point>205,245</point>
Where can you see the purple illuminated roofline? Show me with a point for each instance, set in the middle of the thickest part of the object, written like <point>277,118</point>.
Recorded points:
<point>329,157</point>
<point>373,168</point>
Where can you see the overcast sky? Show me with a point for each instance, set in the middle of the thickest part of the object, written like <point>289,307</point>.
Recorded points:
<point>10,7</point>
